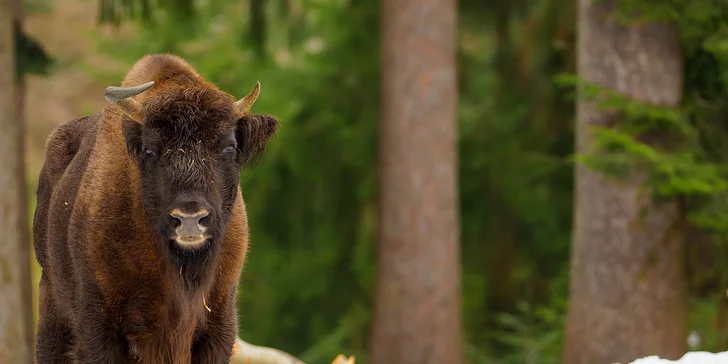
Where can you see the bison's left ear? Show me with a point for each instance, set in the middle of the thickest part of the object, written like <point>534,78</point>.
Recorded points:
<point>253,134</point>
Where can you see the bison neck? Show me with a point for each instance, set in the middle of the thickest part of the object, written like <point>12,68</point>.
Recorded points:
<point>194,270</point>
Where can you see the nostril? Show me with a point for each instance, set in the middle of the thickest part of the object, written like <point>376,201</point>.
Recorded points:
<point>174,221</point>
<point>203,221</point>
<point>201,216</point>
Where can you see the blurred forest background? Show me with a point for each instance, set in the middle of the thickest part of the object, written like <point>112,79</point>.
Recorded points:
<point>643,200</point>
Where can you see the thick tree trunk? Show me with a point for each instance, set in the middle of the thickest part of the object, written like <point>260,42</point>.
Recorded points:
<point>417,308</point>
<point>23,213</point>
<point>627,271</point>
<point>14,345</point>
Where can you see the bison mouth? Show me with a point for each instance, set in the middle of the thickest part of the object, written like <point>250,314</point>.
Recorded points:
<point>191,241</point>
<point>190,249</point>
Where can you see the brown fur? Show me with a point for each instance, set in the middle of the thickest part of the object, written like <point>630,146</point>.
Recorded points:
<point>110,292</point>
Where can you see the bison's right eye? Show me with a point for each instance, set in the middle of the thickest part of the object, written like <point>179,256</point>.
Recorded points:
<point>149,160</point>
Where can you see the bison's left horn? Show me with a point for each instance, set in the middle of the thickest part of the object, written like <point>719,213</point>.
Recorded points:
<point>122,96</point>
<point>243,105</point>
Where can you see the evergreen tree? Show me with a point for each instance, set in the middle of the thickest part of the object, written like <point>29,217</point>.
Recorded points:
<point>627,279</point>
<point>417,304</point>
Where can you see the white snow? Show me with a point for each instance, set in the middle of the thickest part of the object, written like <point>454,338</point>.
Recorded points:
<point>693,357</point>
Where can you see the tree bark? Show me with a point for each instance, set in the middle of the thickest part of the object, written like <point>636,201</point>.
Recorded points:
<point>417,306</point>
<point>25,254</point>
<point>14,346</point>
<point>627,283</point>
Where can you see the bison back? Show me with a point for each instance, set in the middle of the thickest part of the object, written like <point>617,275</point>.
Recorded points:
<point>68,149</point>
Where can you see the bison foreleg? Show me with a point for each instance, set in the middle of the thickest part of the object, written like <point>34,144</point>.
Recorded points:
<point>98,344</point>
<point>97,341</point>
<point>53,341</point>
<point>215,344</point>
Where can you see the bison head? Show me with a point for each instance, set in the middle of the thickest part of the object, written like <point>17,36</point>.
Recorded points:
<point>189,143</point>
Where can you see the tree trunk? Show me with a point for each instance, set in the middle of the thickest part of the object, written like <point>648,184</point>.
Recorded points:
<point>25,254</point>
<point>14,345</point>
<point>417,309</point>
<point>627,269</point>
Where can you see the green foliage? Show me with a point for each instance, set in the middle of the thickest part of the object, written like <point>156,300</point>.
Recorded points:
<point>533,334</point>
<point>703,314</point>
<point>516,176</point>
<point>31,58</point>
<point>179,12</point>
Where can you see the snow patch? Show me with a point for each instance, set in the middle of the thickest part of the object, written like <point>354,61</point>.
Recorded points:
<point>693,357</point>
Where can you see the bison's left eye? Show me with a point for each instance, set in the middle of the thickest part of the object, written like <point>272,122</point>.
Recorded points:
<point>229,149</point>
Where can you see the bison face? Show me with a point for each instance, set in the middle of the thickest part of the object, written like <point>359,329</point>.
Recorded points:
<point>189,151</point>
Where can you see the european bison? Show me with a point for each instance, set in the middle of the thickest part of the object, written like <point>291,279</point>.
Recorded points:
<point>140,227</point>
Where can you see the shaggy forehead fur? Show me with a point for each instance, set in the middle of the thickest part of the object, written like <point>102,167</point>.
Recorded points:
<point>190,111</point>
<point>181,101</point>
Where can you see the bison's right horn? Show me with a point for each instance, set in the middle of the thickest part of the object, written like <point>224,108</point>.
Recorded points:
<point>122,97</point>
<point>243,105</point>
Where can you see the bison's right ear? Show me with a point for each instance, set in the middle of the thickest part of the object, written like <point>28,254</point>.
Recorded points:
<point>133,135</point>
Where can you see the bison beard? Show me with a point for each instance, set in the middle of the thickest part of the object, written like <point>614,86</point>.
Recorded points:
<point>140,227</point>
